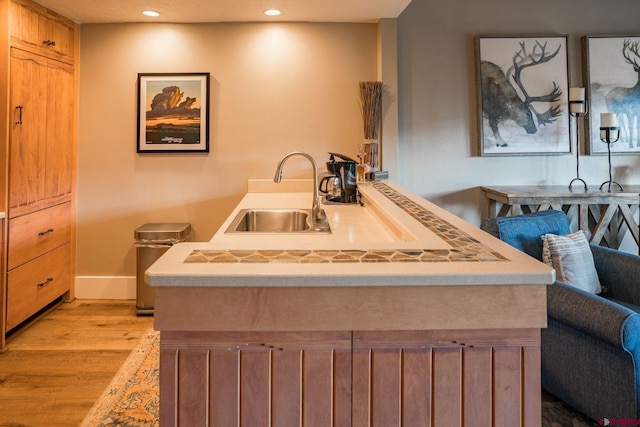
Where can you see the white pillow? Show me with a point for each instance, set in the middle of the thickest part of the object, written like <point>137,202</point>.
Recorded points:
<point>572,259</point>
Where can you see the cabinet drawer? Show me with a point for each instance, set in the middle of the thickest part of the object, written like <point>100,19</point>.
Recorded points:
<point>35,284</point>
<point>35,234</point>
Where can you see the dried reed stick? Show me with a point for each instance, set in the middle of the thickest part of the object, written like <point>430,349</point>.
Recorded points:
<point>371,107</point>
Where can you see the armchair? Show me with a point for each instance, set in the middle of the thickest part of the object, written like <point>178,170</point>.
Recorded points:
<point>591,346</point>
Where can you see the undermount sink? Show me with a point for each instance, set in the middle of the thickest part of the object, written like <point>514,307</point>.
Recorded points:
<point>277,221</point>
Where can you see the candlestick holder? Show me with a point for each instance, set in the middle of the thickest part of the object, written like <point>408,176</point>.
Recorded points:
<point>609,135</point>
<point>576,115</point>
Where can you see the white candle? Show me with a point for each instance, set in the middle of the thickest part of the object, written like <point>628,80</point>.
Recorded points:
<point>576,94</point>
<point>577,102</point>
<point>608,120</point>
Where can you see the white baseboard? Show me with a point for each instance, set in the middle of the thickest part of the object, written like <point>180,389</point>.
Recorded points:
<point>105,287</point>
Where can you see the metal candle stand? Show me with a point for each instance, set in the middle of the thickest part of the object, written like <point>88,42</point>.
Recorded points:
<point>577,115</point>
<point>607,135</point>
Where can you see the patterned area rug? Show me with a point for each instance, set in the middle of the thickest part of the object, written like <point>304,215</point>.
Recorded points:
<point>132,399</point>
<point>557,414</point>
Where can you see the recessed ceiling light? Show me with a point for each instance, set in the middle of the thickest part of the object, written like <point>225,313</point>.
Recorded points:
<point>150,13</point>
<point>272,12</point>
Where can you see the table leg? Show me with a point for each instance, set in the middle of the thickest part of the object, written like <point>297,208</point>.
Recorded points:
<point>603,223</point>
<point>629,218</point>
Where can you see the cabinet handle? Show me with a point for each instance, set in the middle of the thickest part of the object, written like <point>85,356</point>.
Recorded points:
<point>48,42</point>
<point>19,108</point>
<point>254,347</point>
<point>44,233</point>
<point>45,283</point>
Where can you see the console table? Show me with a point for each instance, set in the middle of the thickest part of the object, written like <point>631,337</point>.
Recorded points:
<point>606,217</point>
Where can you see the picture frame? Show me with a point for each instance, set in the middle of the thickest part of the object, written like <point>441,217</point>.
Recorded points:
<point>173,112</point>
<point>611,72</point>
<point>522,94</point>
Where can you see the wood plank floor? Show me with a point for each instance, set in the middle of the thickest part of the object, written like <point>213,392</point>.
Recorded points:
<point>55,370</point>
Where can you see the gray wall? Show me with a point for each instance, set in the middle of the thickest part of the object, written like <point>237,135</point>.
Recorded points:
<point>438,137</point>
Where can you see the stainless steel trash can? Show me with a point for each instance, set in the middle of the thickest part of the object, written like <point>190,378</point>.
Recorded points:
<point>152,241</point>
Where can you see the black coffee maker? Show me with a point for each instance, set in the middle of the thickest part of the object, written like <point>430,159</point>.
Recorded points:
<point>341,173</point>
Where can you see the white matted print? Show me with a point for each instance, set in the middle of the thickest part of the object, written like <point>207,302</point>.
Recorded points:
<point>522,85</point>
<point>612,67</point>
<point>173,112</point>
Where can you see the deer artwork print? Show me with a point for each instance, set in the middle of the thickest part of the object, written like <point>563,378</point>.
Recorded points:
<point>625,101</point>
<point>509,97</point>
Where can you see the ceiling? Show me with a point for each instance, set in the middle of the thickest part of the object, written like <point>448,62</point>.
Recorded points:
<point>191,11</point>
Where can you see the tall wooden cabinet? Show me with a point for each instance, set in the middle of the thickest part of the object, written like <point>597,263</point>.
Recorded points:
<point>39,175</point>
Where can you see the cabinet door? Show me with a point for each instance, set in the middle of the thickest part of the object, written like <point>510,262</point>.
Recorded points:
<point>59,145</point>
<point>255,379</point>
<point>41,167</point>
<point>59,36</point>
<point>42,31</point>
<point>446,378</point>
<point>28,131</point>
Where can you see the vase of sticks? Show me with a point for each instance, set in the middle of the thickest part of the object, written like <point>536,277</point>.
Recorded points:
<point>371,107</point>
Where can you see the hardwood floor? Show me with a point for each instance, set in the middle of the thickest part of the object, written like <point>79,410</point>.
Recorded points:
<point>55,370</point>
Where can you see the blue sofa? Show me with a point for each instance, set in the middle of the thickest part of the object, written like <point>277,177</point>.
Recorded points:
<point>591,346</point>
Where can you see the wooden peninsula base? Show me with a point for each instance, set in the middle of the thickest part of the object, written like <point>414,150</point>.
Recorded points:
<point>396,356</point>
<point>404,315</point>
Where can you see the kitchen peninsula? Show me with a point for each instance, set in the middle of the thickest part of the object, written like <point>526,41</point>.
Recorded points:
<point>403,315</point>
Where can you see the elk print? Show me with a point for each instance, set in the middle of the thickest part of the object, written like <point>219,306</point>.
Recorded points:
<point>522,85</point>
<point>614,74</point>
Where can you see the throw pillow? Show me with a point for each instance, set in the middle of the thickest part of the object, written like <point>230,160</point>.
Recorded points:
<point>523,231</point>
<point>572,259</point>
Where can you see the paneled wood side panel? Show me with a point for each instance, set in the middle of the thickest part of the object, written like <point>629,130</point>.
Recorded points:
<point>477,385</point>
<point>256,379</point>
<point>255,387</point>
<point>533,386</point>
<point>416,387</point>
<point>168,385</point>
<point>447,387</point>
<point>286,388</point>
<point>386,374</point>
<point>507,386</point>
<point>193,367</point>
<point>361,387</point>
<point>326,389</point>
<point>419,378</point>
<point>342,382</point>
<point>223,388</point>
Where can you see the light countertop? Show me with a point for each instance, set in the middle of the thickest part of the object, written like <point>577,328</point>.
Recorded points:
<point>396,239</point>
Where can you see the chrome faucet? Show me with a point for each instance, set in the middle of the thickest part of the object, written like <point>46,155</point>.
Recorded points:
<point>315,207</point>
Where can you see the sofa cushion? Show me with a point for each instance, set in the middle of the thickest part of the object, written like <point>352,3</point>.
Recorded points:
<point>524,232</point>
<point>571,257</point>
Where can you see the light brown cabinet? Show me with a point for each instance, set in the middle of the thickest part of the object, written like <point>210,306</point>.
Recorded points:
<point>39,184</point>
<point>359,378</point>
<point>450,355</point>
<point>37,283</point>
<point>256,378</point>
<point>41,150</point>
<point>36,28</point>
